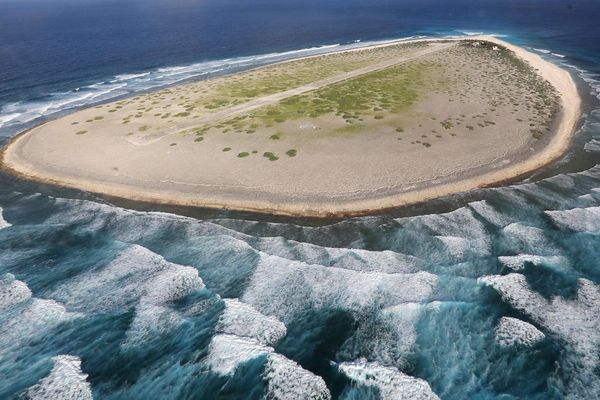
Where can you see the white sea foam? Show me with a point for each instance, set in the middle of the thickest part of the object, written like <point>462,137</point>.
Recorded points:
<point>486,211</point>
<point>402,320</point>
<point>586,200</point>
<point>3,223</point>
<point>136,278</point>
<point>543,51</point>
<point>456,246</point>
<point>393,384</point>
<point>592,146</point>
<point>577,219</point>
<point>126,77</point>
<point>288,381</point>
<point>563,180</point>
<point>135,275</point>
<point>130,225</point>
<point>517,263</point>
<point>512,331</point>
<point>30,320</point>
<point>591,79</point>
<point>244,320</point>
<point>66,381</point>
<point>150,322</point>
<point>7,118</point>
<point>12,292</point>
<point>355,259</point>
<point>527,238</point>
<point>460,223</point>
<point>576,321</point>
<point>281,287</point>
<point>471,33</point>
<point>226,352</point>
<point>392,341</point>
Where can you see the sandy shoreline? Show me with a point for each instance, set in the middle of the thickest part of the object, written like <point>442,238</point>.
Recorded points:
<point>250,199</point>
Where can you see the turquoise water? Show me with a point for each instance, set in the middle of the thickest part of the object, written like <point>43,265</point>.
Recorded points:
<point>493,294</point>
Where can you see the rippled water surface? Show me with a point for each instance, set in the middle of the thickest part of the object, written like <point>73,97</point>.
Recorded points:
<point>489,295</point>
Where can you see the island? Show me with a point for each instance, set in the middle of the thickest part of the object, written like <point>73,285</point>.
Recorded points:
<point>340,134</point>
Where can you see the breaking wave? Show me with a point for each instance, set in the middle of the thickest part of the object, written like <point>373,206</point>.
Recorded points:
<point>65,382</point>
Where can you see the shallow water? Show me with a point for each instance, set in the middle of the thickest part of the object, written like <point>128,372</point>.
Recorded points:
<point>100,300</point>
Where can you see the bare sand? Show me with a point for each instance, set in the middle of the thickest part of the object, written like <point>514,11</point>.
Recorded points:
<point>466,124</point>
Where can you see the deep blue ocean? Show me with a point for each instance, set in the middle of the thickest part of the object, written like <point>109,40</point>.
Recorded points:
<point>493,294</point>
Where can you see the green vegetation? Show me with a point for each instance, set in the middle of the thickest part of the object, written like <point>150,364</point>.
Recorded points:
<point>243,154</point>
<point>225,149</point>
<point>291,152</point>
<point>276,136</point>
<point>264,81</point>
<point>270,155</point>
<point>389,90</point>
<point>143,128</point>
<point>447,124</point>
<point>81,133</point>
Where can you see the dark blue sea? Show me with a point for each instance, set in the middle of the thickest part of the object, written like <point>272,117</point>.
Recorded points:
<point>493,294</point>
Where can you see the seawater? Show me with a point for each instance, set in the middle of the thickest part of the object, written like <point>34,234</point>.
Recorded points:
<point>493,294</point>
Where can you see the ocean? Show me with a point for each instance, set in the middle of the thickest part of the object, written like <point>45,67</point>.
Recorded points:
<point>492,294</point>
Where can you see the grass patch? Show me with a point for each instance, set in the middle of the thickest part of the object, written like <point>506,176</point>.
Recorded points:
<point>389,91</point>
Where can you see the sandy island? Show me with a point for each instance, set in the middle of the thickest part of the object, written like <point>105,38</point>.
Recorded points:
<point>345,133</point>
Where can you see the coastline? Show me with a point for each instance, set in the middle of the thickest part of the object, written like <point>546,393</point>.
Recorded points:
<point>552,151</point>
